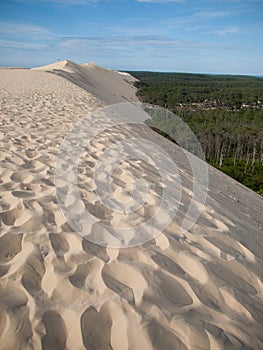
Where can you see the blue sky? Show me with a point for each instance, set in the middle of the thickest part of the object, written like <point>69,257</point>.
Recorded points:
<point>213,36</point>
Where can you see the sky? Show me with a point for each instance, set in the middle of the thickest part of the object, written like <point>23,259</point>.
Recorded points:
<point>209,36</point>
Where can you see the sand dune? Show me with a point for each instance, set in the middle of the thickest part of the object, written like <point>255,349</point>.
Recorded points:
<point>198,290</point>
<point>107,85</point>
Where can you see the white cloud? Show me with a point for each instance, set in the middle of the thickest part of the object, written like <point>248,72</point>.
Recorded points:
<point>27,36</point>
<point>22,29</point>
<point>22,45</point>
<point>132,44</point>
<point>228,30</point>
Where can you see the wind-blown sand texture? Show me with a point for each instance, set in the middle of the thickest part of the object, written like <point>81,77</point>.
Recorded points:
<point>107,85</point>
<point>200,290</point>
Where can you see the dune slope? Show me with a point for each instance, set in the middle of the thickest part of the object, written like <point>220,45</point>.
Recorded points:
<point>107,85</point>
<point>198,290</point>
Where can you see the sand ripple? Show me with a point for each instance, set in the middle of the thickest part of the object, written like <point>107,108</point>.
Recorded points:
<point>199,290</point>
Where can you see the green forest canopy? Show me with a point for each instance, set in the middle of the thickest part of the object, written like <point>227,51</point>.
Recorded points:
<point>171,89</point>
<point>225,112</point>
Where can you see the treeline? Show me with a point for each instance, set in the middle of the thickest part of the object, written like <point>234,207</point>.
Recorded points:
<point>170,89</point>
<point>231,138</point>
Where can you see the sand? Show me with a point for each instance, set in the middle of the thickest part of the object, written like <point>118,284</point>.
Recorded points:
<point>107,85</point>
<point>198,290</point>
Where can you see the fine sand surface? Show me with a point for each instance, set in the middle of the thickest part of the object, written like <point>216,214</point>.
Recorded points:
<point>107,85</point>
<point>198,290</point>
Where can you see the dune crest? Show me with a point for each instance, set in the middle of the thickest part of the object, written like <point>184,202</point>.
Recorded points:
<point>108,85</point>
